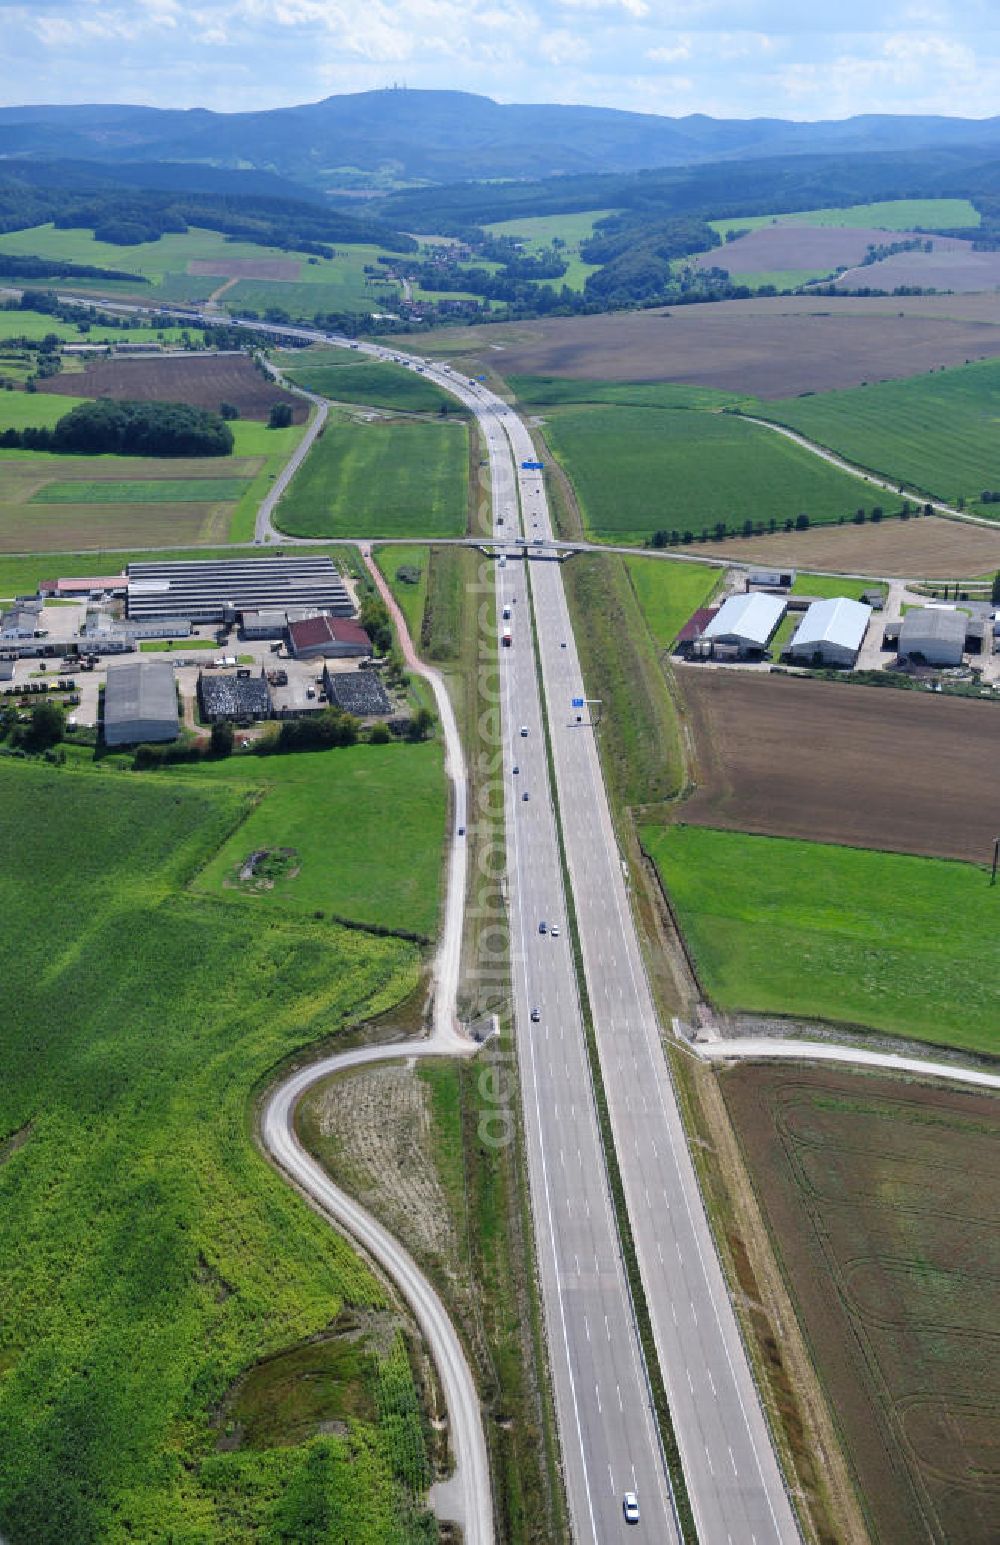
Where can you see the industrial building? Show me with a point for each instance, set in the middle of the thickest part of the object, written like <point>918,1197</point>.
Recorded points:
<point>104,634</point>
<point>331,638</point>
<point>831,632</point>
<point>357,692</point>
<point>21,622</point>
<point>744,624</point>
<point>207,590</point>
<point>233,697</point>
<point>140,703</point>
<point>934,633</point>
<point>771,579</point>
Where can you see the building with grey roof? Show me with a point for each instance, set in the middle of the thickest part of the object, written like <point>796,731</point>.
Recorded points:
<point>233,697</point>
<point>746,623</point>
<point>357,692</point>
<point>831,632</point>
<point>221,590</point>
<point>140,703</point>
<point>935,634</point>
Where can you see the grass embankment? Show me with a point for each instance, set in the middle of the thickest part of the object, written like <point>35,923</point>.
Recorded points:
<point>897,943</point>
<point>411,595</point>
<point>638,735</point>
<point>140,1226</point>
<point>639,470</point>
<point>935,433</point>
<point>828,585</point>
<point>356,378</point>
<point>393,478</point>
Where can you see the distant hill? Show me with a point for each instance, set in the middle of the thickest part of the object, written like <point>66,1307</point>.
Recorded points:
<point>451,136</point>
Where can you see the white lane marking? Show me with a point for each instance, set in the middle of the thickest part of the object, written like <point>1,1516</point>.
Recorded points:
<point>607,1326</point>
<point>586,1326</point>
<point>597,1392</point>
<point>690,1380</point>
<point>708,1456</point>
<point>732,1461</point>
<point>620,1405</point>
<point>712,1384</point>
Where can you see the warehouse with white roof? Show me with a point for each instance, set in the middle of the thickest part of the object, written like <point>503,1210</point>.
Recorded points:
<point>745,624</point>
<point>831,632</point>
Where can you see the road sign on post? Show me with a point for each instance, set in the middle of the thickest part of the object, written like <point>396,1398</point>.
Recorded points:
<point>577,702</point>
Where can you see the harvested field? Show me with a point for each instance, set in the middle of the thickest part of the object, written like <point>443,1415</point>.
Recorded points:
<point>928,548</point>
<point>892,1259</point>
<point>823,248</point>
<point>203,380</point>
<point>952,265</point>
<point>58,503</point>
<point>280,269</point>
<point>830,762</point>
<point>772,347</point>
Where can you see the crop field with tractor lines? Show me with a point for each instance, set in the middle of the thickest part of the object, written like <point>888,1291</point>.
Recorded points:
<point>910,772</point>
<point>881,1201</point>
<point>637,470</point>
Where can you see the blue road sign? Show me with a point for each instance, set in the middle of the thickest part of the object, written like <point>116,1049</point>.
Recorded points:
<point>577,702</point>
<point>532,466</point>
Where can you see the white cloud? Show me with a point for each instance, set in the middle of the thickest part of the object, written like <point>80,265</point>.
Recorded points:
<point>670,53</point>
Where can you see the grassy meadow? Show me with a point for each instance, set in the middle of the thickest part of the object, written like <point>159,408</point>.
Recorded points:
<point>668,592</point>
<point>36,325</point>
<point>393,478</point>
<point>896,943</point>
<point>935,432</point>
<point>903,214</point>
<point>366,824</point>
<point>638,470</point>
<point>139,1226</point>
<point>321,284</point>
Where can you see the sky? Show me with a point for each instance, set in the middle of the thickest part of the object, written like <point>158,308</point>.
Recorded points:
<point>729,58</point>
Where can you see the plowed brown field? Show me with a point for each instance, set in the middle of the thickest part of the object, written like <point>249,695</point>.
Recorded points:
<point>771,347</point>
<point>883,1201</point>
<point>928,548</point>
<point>203,380</point>
<point>246,268</point>
<point>772,248</point>
<point>871,767</point>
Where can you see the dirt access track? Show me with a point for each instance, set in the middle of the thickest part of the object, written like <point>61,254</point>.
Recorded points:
<point>772,347</point>
<point>928,548</point>
<point>202,380</point>
<point>872,767</point>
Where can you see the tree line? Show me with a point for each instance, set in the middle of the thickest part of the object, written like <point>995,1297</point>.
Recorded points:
<point>106,427</point>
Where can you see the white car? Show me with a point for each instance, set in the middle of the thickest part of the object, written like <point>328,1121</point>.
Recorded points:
<point>630,1507</point>
<point>554,930</point>
<point>524,730</point>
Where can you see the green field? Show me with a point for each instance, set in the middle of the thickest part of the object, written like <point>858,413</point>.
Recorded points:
<point>411,598</point>
<point>827,585</point>
<point>159,491</point>
<point>148,1253</point>
<point>780,278</point>
<point>381,479</point>
<point>375,382</point>
<point>118,519</point>
<point>36,325</point>
<point>638,470</point>
<point>937,433</point>
<point>893,215</point>
<point>366,823</point>
<point>539,231</point>
<point>668,592</point>
<point>900,944</point>
<point>560,391</point>
<point>322,284</point>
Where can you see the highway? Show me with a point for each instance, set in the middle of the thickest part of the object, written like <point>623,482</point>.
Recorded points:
<point>608,1440</point>
<point>734,1483</point>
